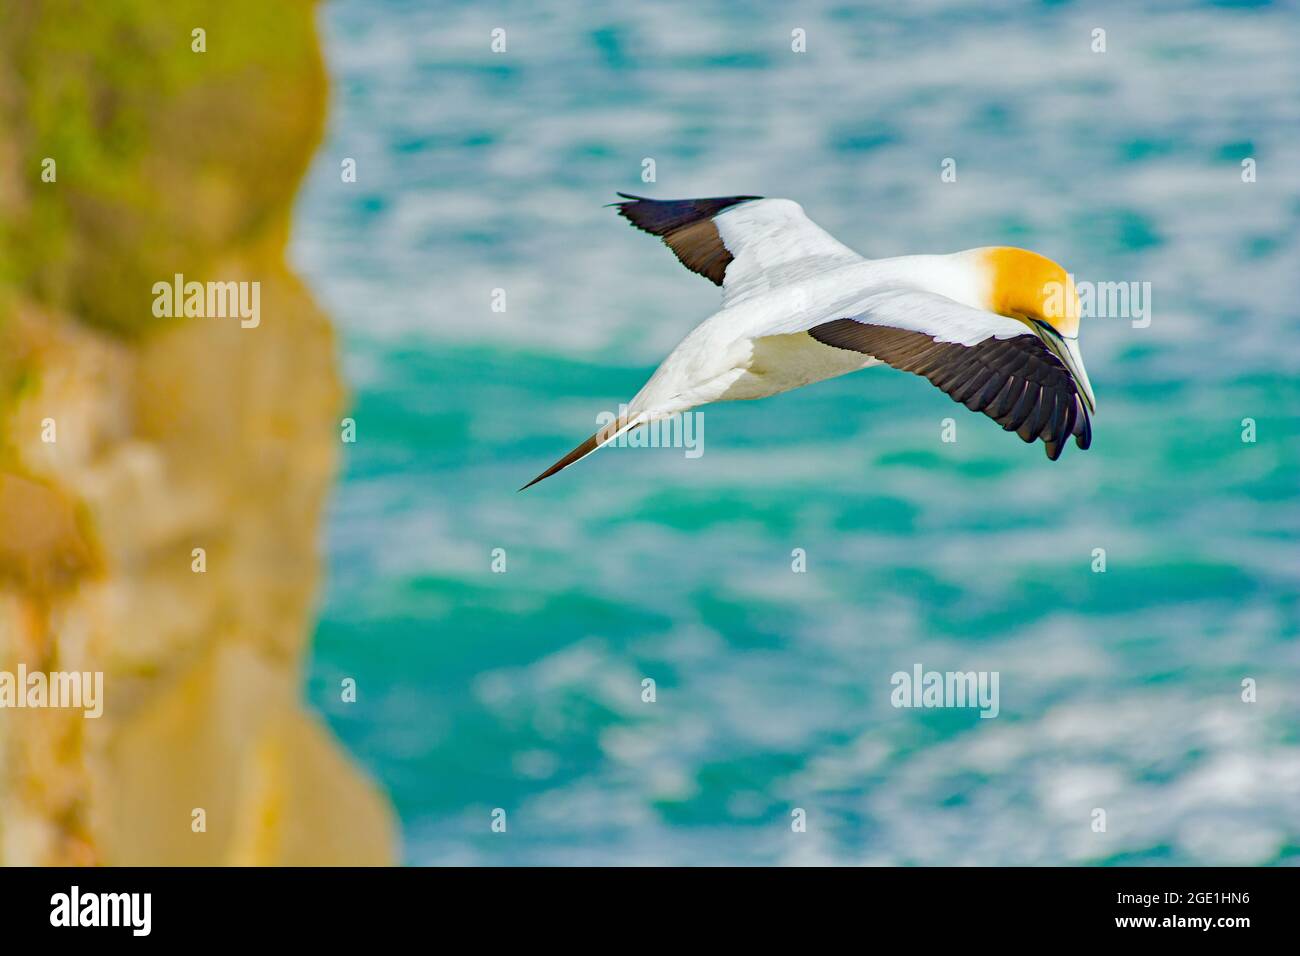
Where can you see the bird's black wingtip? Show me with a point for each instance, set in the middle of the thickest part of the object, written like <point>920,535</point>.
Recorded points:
<point>631,197</point>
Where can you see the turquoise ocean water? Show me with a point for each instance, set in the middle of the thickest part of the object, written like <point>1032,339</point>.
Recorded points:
<point>522,690</point>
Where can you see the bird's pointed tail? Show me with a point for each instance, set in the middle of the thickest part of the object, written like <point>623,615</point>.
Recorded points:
<point>602,437</point>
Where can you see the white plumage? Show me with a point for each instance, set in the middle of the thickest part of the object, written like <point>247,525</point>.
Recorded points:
<point>789,289</point>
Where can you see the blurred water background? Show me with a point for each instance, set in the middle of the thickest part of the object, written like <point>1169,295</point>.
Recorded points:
<point>1119,690</point>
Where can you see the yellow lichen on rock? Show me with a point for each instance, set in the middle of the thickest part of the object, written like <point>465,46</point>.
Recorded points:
<point>129,442</point>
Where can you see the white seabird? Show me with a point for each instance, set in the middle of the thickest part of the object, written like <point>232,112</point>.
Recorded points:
<point>996,327</point>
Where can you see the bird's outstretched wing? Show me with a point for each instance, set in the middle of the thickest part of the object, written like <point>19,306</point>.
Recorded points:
<point>746,244</point>
<point>987,362</point>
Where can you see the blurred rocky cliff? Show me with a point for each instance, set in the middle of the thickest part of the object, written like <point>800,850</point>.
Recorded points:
<point>128,442</point>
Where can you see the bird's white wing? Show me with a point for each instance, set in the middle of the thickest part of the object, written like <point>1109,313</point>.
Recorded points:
<point>746,244</point>
<point>898,306</point>
<point>987,362</point>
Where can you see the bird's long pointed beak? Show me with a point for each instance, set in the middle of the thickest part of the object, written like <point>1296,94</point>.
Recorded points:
<point>1067,350</point>
<point>1073,359</point>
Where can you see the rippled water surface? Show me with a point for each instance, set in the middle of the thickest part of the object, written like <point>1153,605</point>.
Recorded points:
<point>1118,690</point>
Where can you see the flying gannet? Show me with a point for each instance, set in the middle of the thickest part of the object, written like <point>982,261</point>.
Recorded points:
<point>996,327</point>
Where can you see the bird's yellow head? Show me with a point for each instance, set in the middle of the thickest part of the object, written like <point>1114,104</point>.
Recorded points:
<point>1031,288</point>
